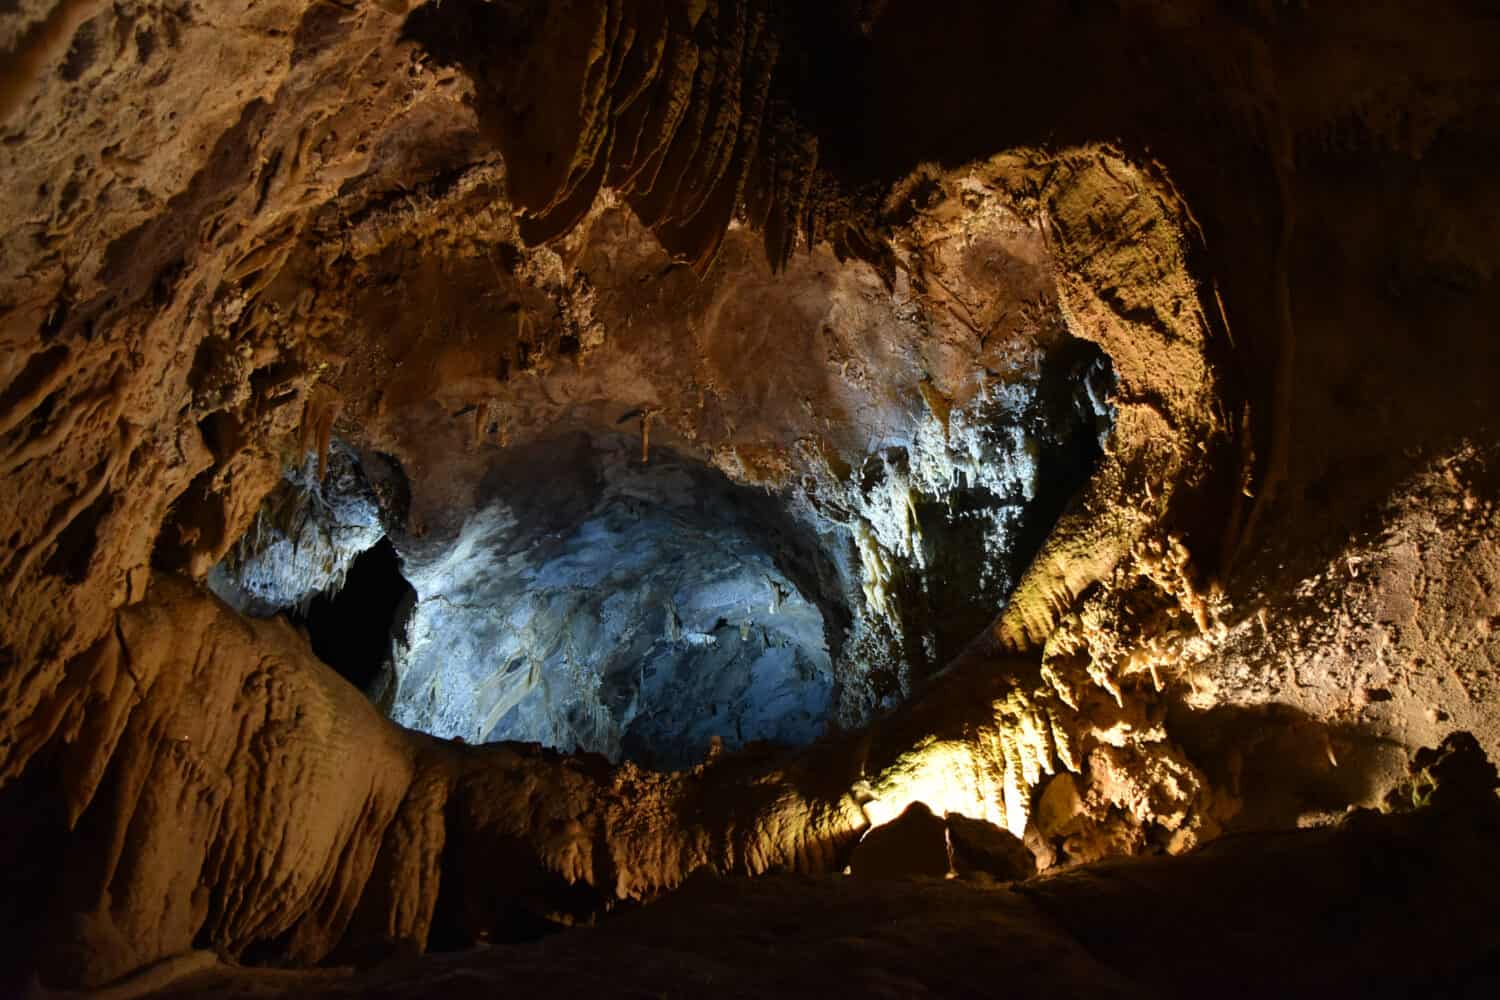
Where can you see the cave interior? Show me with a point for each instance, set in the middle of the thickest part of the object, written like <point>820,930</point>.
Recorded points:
<point>749,497</point>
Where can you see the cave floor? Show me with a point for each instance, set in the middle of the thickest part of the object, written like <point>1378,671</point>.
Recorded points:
<point>1380,906</point>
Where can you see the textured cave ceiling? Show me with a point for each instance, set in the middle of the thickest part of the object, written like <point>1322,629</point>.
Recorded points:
<point>474,467</point>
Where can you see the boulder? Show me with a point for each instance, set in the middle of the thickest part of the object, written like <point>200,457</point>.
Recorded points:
<point>982,850</point>
<point>913,845</point>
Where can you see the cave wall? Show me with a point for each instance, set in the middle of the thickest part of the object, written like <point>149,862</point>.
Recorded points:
<point>1212,920</point>
<point>626,608</point>
<point>172,179</point>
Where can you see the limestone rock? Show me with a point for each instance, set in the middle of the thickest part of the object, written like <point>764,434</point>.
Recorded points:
<point>1060,806</point>
<point>984,851</point>
<point>825,247</point>
<point>913,845</point>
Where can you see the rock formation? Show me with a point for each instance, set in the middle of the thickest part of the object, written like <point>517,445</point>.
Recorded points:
<point>754,424</point>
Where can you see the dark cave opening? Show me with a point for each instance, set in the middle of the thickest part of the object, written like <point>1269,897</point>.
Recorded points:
<point>351,629</point>
<point>1074,372</point>
<point>1070,419</point>
<point>1007,473</point>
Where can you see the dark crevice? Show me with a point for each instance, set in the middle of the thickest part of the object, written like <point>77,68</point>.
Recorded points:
<point>33,841</point>
<point>195,523</point>
<point>74,551</point>
<point>1075,369</point>
<point>351,630</point>
<point>41,368</point>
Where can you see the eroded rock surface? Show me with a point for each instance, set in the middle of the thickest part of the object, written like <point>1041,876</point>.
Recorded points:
<point>603,604</point>
<point>848,255</point>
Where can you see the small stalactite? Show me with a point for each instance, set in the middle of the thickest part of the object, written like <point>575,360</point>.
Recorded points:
<point>318,414</point>
<point>647,415</point>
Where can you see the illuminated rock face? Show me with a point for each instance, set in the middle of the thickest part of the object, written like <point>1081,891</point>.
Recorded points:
<point>590,601</point>
<point>596,602</point>
<point>304,540</point>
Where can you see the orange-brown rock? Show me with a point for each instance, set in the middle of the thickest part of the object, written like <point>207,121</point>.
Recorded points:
<point>768,232</point>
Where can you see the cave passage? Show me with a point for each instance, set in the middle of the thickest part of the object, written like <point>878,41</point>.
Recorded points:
<point>636,609</point>
<point>588,598</point>
<point>351,628</point>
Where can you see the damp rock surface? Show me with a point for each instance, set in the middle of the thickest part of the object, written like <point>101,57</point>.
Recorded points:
<point>597,602</point>
<point>304,539</point>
